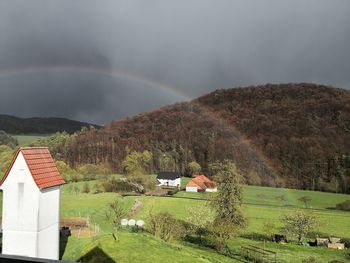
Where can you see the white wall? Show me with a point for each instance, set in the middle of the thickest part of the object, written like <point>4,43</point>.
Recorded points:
<point>48,243</point>
<point>176,182</point>
<point>212,190</point>
<point>191,189</point>
<point>13,219</point>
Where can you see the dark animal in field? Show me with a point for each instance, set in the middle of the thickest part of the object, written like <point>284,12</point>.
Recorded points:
<point>279,238</point>
<point>312,243</point>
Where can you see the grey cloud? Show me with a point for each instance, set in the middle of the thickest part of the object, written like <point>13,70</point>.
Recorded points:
<point>194,46</point>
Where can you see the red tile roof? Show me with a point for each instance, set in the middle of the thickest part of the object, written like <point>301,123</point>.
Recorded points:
<point>201,182</point>
<point>208,183</point>
<point>41,165</point>
<point>197,183</point>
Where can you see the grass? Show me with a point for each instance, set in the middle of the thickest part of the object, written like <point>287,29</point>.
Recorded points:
<point>142,247</point>
<point>25,140</point>
<point>261,205</point>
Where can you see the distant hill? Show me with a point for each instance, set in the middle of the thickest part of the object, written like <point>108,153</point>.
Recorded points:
<point>294,135</point>
<point>16,125</point>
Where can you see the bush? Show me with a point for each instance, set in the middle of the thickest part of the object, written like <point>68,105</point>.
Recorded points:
<point>93,171</point>
<point>86,188</point>
<point>97,188</point>
<point>117,185</point>
<point>310,260</point>
<point>69,174</point>
<point>172,191</point>
<point>165,226</point>
<point>221,231</point>
<point>343,205</point>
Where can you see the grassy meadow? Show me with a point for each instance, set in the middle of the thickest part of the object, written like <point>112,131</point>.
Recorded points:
<point>25,140</point>
<point>261,205</point>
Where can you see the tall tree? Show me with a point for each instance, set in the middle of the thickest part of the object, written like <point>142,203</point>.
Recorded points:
<point>137,163</point>
<point>193,168</point>
<point>8,140</point>
<point>228,200</point>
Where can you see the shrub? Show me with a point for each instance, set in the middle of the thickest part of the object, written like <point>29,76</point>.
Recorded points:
<point>92,171</point>
<point>172,191</point>
<point>116,185</point>
<point>165,226</point>
<point>310,260</point>
<point>69,174</point>
<point>86,188</point>
<point>97,188</point>
<point>221,231</point>
<point>343,205</point>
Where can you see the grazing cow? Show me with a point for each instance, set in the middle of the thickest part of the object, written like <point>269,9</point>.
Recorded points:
<point>280,238</point>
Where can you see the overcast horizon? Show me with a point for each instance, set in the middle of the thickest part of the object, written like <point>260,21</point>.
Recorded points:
<point>97,61</point>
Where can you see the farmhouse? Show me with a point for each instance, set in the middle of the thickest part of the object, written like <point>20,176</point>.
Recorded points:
<point>171,179</point>
<point>31,202</point>
<point>201,183</point>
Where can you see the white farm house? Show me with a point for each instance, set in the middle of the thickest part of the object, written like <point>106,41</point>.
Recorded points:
<point>31,205</point>
<point>169,179</point>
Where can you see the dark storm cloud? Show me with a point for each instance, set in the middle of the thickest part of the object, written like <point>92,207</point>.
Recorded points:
<point>193,46</point>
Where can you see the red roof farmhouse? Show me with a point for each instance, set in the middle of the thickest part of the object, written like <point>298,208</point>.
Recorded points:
<point>201,183</point>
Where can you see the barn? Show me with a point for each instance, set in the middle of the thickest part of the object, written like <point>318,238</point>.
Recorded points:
<point>201,183</point>
<point>31,205</point>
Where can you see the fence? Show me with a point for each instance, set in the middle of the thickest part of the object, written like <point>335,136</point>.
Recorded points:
<point>258,255</point>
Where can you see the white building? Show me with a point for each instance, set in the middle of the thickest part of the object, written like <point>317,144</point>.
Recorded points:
<point>169,179</point>
<point>31,205</point>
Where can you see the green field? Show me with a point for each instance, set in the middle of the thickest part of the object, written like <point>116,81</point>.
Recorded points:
<point>261,205</point>
<point>25,140</point>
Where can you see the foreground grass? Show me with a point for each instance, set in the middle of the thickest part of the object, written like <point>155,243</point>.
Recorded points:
<point>134,247</point>
<point>138,247</point>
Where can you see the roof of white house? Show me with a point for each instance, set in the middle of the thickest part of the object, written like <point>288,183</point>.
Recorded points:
<point>168,175</point>
<point>41,166</point>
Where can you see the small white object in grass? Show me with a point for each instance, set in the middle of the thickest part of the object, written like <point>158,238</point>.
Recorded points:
<point>131,222</point>
<point>124,222</point>
<point>140,223</point>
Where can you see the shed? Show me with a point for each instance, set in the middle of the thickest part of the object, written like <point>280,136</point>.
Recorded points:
<point>171,179</point>
<point>31,204</point>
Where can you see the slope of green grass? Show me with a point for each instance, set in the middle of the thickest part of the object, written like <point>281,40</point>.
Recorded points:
<point>140,247</point>
<point>261,205</point>
<point>289,197</point>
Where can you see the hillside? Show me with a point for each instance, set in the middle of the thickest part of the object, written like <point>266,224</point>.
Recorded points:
<point>295,135</point>
<point>16,125</point>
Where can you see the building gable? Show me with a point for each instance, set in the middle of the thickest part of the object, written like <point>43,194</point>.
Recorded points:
<point>41,166</point>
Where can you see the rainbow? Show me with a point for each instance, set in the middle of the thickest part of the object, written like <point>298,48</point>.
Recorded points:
<point>114,73</point>
<point>142,81</point>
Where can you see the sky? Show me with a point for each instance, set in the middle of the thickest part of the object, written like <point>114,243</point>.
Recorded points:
<point>98,61</point>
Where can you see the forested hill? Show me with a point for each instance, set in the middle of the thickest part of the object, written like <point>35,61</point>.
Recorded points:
<point>295,135</point>
<point>16,125</point>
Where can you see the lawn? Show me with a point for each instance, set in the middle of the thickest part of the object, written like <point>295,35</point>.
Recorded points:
<point>261,205</point>
<point>25,140</point>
